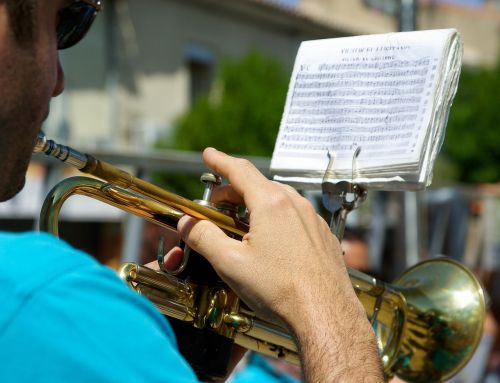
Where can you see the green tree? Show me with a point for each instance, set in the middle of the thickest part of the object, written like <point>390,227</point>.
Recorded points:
<point>471,151</point>
<point>240,115</point>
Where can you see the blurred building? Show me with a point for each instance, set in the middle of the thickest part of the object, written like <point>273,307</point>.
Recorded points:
<point>146,61</point>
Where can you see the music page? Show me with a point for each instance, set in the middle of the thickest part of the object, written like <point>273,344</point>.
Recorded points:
<point>372,92</point>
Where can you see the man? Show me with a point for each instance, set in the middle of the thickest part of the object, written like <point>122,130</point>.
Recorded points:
<point>67,318</point>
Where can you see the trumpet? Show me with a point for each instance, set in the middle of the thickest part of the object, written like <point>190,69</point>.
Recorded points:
<point>428,322</point>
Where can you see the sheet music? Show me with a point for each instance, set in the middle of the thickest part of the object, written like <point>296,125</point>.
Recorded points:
<point>371,91</point>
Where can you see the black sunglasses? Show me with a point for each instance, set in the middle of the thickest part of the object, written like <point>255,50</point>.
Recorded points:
<point>75,21</point>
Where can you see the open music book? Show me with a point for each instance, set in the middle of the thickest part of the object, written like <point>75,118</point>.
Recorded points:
<point>384,97</point>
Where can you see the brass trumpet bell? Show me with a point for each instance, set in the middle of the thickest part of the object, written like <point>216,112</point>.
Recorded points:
<point>444,311</point>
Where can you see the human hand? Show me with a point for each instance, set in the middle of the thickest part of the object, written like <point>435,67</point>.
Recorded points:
<point>289,255</point>
<point>289,268</point>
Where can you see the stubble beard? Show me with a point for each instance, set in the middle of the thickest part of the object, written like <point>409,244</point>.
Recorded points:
<point>21,116</point>
<point>17,149</point>
<point>26,87</point>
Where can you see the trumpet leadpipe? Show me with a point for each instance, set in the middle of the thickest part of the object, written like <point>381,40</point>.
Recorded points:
<point>109,173</point>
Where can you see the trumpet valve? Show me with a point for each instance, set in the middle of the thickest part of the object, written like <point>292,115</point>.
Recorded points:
<point>211,181</point>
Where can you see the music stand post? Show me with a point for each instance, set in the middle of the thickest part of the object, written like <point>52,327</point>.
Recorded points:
<point>341,197</point>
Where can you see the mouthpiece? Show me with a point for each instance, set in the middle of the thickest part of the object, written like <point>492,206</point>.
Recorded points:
<point>40,143</point>
<point>61,152</point>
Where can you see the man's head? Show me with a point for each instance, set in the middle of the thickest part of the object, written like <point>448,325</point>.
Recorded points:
<point>31,32</point>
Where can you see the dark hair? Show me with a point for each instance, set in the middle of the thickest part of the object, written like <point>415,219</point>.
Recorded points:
<point>21,17</point>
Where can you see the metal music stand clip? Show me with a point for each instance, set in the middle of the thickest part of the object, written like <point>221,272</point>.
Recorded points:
<point>340,197</point>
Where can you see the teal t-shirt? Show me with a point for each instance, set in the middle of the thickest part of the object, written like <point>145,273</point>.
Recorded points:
<point>66,318</point>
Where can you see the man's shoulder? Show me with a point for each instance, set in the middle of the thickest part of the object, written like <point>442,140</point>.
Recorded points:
<point>31,259</point>
<point>39,270</point>
<point>77,315</point>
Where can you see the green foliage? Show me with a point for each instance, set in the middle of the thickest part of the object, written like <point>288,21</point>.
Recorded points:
<point>471,151</point>
<point>240,115</point>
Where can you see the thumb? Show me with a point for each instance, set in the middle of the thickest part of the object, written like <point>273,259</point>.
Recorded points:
<point>206,238</point>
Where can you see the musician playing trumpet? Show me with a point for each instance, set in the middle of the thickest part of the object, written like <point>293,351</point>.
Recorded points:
<point>67,318</point>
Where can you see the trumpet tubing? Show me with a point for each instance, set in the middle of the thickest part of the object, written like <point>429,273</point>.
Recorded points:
<point>427,323</point>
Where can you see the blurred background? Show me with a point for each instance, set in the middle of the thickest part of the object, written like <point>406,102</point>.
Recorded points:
<point>156,81</point>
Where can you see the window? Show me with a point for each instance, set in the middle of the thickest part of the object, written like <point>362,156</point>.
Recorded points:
<point>200,64</point>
